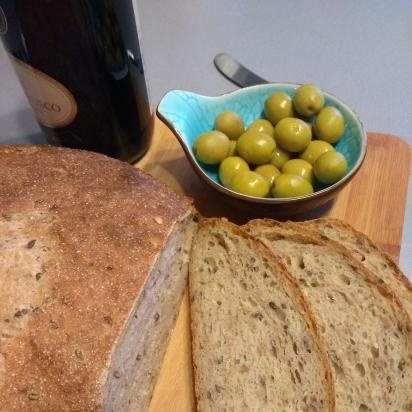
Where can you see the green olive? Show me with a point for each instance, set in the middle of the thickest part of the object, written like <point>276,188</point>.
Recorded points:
<point>262,125</point>
<point>232,148</point>
<point>287,185</point>
<point>212,147</point>
<point>256,147</point>
<point>229,123</point>
<point>314,150</point>
<point>278,106</point>
<point>329,124</point>
<point>269,172</point>
<point>330,167</point>
<point>308,100</point>
<point>229,168</point>
<point>280,157</point>
<point>299,167</point>
<point>293,134</point>
<point>250,183</point>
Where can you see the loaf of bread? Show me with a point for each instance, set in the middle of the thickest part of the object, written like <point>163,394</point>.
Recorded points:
<point>93,264</point>
<point>366,331</point>
<point>369,254</point>
<point>255,344</point>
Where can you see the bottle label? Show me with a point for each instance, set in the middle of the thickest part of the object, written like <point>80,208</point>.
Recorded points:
<point>52,103</point>
<point>3,22</point>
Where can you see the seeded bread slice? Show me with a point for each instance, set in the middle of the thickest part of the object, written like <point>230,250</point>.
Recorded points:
<point>369,254</point>
<point>365,329</point>
<point>255,344</point>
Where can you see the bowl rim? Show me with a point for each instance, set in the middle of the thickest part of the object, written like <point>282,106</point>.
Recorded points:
<point>266,200</point>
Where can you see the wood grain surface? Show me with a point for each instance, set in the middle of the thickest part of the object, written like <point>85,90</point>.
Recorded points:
<point>373,202</point>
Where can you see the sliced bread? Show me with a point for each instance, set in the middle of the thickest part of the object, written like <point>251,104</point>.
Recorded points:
<point>366,331</point>
<point>93,264</point>
<point>255,345</point>
<point>369,254</point>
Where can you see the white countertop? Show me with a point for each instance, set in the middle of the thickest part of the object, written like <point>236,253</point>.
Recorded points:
<point>358,50</point>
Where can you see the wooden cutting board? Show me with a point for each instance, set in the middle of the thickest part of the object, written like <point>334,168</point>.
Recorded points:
<point>373,202</point>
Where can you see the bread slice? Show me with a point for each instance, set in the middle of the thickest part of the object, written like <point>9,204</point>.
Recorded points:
<point>366,331</point>
<point>93,264</point>
<point>255,345</point>
<point>369,254</point>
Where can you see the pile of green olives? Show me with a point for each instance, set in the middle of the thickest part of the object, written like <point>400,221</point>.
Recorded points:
<point>282,155</point>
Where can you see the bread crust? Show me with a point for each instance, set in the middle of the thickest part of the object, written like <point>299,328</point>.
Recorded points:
<point>308,235</point>
<point>395,279</point>
<point>95,226</point>
<point>365,240</point>
<point>309,317</point>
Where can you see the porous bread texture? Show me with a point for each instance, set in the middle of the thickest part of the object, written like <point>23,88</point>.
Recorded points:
<point>255,346</point>
<point>366,331</point>
<point>369,254</point>
<point>138,356</point>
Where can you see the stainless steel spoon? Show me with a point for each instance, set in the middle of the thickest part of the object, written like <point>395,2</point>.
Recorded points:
<point>236,72</point>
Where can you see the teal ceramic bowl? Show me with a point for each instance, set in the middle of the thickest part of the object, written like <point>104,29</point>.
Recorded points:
<point>189,114</point>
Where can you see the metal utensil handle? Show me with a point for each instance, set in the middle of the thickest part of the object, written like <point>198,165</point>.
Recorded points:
<point>236,72</point>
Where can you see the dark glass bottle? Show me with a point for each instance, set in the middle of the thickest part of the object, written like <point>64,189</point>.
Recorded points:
<point>80,66</point>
